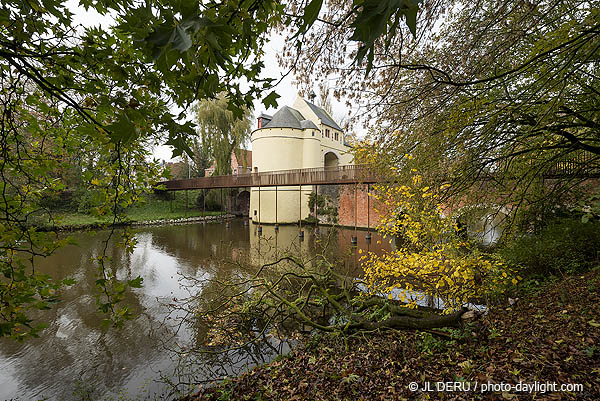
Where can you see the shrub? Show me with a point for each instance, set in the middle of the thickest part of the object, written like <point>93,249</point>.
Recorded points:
<point>565,245</point>
<point>213,200</point>
<point>59,200</point>
<point>88,200</point>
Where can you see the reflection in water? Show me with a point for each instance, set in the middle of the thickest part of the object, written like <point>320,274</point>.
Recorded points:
<point>74,358</point>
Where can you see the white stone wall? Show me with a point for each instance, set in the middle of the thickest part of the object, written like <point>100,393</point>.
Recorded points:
<point>275,149</point>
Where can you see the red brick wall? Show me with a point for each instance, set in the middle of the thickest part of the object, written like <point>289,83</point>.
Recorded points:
<point>346,203</point>
<point>348,207</point>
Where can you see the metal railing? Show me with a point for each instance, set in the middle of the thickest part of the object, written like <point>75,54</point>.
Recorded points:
<point>582,164</point>
<point>579,164</point>
<point>307,176</point>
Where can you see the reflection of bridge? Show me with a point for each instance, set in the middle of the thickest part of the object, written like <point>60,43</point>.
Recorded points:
<point>352,174</point>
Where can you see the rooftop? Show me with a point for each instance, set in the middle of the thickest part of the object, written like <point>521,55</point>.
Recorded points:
<point>287,117</point>
<point>323,115</point>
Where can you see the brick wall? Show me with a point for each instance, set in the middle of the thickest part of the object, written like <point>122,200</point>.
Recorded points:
<point>363,207</point>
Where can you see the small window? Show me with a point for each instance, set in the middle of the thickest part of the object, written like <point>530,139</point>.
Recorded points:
<point>327,133</point>
<point>336,136</point>
<point>313,133</point>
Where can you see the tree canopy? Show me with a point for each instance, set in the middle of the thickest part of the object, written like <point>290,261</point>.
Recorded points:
<point>105,93</point>
<point>489,93</point>
<point>222,133</point>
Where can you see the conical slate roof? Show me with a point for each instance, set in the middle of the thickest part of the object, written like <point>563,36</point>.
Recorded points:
<point>286,117</point>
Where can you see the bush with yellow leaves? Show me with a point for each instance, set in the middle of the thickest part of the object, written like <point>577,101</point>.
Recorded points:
<point>430,260</point>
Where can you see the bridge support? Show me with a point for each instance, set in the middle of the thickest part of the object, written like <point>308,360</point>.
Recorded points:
<point>316,209</point>
<point>368,236</point>
<point>204,205</point>
<point>226,212</point>
<point>354,239</point>
<point>300,233</point>
<point>259,221</point>
<point>222,204</point>
<point>276,221</point>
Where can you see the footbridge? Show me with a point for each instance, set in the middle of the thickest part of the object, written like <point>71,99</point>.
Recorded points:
<point>576,167</point>
<point>337,175</point>
<point>351,174</point>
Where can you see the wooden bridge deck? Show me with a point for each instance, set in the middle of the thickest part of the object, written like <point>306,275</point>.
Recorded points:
<point>307,176</point>
<point>582,166</point>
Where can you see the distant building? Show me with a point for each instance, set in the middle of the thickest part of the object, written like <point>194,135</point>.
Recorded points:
<point>178,170</point>
<point>302,136</point>
<point>241,166</point>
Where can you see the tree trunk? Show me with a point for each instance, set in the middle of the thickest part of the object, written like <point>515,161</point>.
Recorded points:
<point>410,322</point>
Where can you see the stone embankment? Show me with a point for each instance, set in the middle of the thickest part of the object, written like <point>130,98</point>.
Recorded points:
<point>157,222</point>
<point>183,220</point>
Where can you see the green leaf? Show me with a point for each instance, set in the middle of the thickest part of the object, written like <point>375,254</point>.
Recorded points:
<point>411,19</point>
<point>372,19</point>
<point>271,100</point>
<point>123,130</point>
<point>69,281</point>
<point>179,145</point>
<point>161,35</point>
<point>119,287</point>
<point>180,39</point>
<point>311,12</point>
<point>136,282</point>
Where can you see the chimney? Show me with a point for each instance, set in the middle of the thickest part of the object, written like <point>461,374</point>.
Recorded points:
<point>263,120</point>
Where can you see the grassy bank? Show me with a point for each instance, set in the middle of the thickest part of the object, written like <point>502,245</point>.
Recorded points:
<point>151,208</point>
<point>550,335</point>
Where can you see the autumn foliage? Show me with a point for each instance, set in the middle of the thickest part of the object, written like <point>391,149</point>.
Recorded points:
<point>431,257</point>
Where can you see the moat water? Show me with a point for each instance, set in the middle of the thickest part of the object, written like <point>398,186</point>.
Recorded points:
<point>75,358</point>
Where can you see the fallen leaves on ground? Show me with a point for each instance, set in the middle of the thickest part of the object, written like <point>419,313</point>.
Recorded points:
<point>551,336</point>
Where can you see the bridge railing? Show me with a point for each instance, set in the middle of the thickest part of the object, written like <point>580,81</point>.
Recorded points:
<point>307,176</point>
<point>580,164</point>
<point>583,164</point>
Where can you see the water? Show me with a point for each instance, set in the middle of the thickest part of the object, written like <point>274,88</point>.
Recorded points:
<point>75,359</point>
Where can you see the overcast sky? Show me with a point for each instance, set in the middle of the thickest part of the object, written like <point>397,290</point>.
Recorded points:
<point>285,88</point>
